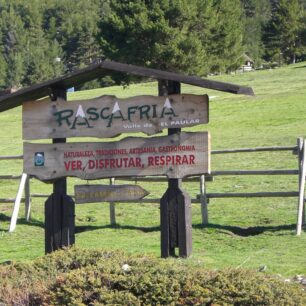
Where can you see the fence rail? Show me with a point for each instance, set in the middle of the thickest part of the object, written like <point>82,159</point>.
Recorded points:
<point>204,197</point>
<point>274,194</point>
<point>258,149</point>
<point>11,157</point>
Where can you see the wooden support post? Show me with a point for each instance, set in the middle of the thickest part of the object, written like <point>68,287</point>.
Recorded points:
<point>203,198</point>
<point>112,208</point>
<point>175,205</point>
<point>59,222</point>
<point>301,190</point>
<point>27,196</point>
<point>59,208</point>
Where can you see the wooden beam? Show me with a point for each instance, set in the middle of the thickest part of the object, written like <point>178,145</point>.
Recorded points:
<point>176,78</point>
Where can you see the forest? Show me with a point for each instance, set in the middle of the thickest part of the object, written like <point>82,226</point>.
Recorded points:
<point>42,39</point>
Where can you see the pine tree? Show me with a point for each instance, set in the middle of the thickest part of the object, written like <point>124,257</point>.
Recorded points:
<point>156,34</point>
<point>282,34</point>
<point>40,58</point>
<point>13,41</point>
<point>73,24</point>
<point>256,15</point>
<point>225,42</point>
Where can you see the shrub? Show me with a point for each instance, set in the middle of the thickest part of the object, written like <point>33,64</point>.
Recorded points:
<point>92,277</point>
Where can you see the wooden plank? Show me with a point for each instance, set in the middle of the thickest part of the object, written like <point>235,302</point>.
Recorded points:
<point>17,203</point>
<point>176,156</point>
<point>108,116</point>
<point>108,193</point>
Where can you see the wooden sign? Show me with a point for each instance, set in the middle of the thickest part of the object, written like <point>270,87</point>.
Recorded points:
<point>175,156</point>
<point>108,116</point>
<point>108,193</point>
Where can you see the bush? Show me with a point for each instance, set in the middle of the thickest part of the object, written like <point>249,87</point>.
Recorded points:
<point>91,277</point>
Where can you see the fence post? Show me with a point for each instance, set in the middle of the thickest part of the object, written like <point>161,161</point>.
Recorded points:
<point>27,196</point>
<point>302,174</point>
<point>112,208</point>
<point>300,160</point>
<point>204,208</point>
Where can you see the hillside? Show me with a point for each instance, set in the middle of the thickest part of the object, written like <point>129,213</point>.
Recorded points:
<point>246,233</point>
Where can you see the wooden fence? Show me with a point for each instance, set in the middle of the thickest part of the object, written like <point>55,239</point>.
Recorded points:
<point>203,197</point>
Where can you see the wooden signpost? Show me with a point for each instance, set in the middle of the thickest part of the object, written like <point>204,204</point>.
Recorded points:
<point>108,193</point>
<point>175,156</point>
<point>109,116</point>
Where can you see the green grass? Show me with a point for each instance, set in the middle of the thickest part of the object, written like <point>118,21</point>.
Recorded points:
<point>242,232</point>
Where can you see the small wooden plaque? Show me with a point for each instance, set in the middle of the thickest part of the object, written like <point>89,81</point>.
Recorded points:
<point>108,193</point>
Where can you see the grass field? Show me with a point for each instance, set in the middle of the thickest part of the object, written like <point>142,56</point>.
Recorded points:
<point>245,233</point>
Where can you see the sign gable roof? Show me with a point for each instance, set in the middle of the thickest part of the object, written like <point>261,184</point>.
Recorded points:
<point>107,67</point>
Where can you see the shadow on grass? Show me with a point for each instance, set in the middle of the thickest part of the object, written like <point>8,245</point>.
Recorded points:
<point>85,228</point>
<point>23,221</point>
<point>300,67</point>
<point>227,229</point>
<point>248,231</point>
